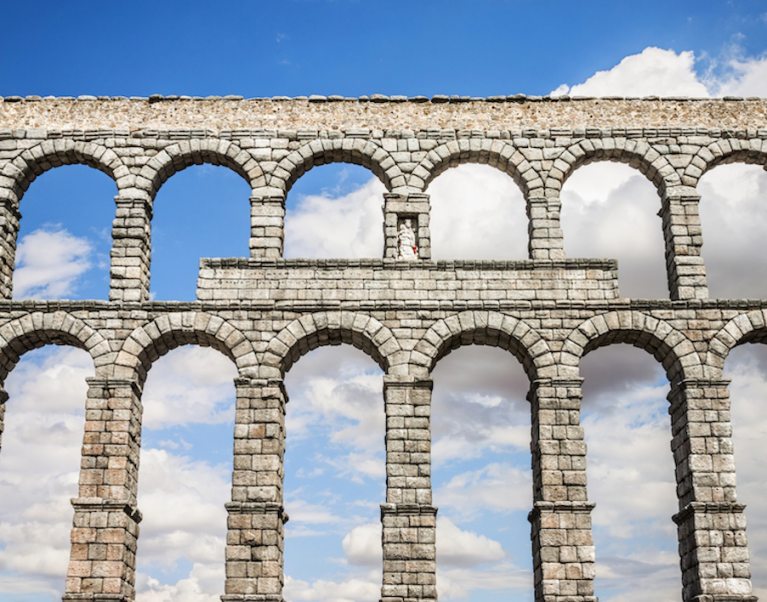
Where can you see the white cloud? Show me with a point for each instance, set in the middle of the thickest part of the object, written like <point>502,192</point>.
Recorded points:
<point>39,467</point>
<point>350,590</point>
<point>652,72</point>
<point>494,488</point>
<point>49,262</point>
<point>477,212</point>
<point>349,226</point>
<point>663,72</point>
<point>189,385</point>
<point>610,210</point>
<point>457,547</point>
<point>362,545</point>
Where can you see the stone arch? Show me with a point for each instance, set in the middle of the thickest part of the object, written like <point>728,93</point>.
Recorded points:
<point>337,150</point>
<point>635,153</point>
<point>332,328</point>
<point>17,175</point>
<point>750,327</point>
<point>197,151</point>
<point>483,328</point>
<point>726,150</point>
<point>497,153</point>
<point>37,329</point>
<point>154,339</point>
<point>669,346</point>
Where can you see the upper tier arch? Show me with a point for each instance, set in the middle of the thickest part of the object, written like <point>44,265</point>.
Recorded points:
<point>337,150</point>
<point>727,150</point>
<point>176,157</point>
<point>18,174</point>
<point>635,153</point>
<point>496,153</point>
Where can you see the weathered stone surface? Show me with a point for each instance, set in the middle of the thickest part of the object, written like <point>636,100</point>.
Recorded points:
<point>265,312</point>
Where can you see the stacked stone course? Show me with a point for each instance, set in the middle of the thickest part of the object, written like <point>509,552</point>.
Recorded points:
<point>264,312</point>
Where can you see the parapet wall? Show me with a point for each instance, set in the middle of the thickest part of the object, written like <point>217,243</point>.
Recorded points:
<point>378,112</point>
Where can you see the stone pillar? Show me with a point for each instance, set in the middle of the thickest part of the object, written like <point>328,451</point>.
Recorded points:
<point>711,523</point>
<point>103,558</point>
<point>399,207</point>
<point>408,517</point>
<point>682,233</point>
<point>9,232</point>
<point>563,548</point>
<point>255,536</point>
<point>545,233</point>
<point>267,226</point>
<point>131,250</point>
<point>3,400</point>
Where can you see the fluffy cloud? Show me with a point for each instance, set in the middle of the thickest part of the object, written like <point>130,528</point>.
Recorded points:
<point>39,467</point>
<point>189,385</point>
<point>652,72</point>
<point>349,226</point>
<point>662,72</point>
<point>478,212</point>
<point>49,263</point>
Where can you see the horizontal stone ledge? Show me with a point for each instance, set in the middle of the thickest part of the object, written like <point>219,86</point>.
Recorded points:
<point>257,508</point>
<point>252,598</point>
<point>95,597</point>
<point>564,507</point>
<point>405,381</point>
<point>398,264</point>
<point>407,510</point>
<point>707,508</point>
<point>95,504</point>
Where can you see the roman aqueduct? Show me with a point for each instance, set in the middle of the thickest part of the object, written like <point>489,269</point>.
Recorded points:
<point>265,312</point>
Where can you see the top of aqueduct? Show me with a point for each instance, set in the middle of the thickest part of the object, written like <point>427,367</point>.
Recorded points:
<point>307,113</point>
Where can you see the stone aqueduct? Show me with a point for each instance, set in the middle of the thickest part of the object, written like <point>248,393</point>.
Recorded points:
<point>264,312</point>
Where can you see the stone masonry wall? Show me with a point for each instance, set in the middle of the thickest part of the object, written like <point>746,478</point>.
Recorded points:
<point>265,312</point>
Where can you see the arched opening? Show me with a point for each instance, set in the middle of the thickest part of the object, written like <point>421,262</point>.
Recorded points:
<point>39,469</point>
<point>746,366</point>
<point>481,476</point>
<point>203,211</point>
<point>630,474</point>
<point>185,475</point>
<point>65,235</point>
<point>335,476</point>
<point>610,210</point>
<point>477,212</point>
<point>334,211</point>
<point>734,223</point>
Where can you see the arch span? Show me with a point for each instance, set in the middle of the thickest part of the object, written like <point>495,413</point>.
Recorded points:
<point>154,339</point>
<point>750,327</point>
<point>669,346</point>
<point>17,175</point>
<point>336,150</point>
<point>497,153</point>
<point>35,330</point>
<point>179,156</point>
<point>331,328</point>
<point>476,327</point>
<point>637,154</point>
<point>726,150</point>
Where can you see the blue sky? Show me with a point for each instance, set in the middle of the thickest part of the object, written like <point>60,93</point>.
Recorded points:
<point>348,47</point>
<point>334,477</point>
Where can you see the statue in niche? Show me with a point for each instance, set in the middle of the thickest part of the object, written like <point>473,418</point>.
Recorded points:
<point>406,241</point>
